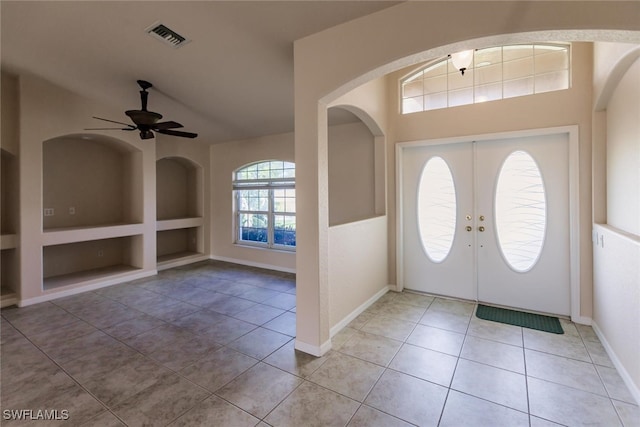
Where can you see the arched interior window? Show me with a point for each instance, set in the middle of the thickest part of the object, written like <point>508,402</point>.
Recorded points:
<point>495,73</point>
<point>265,204</point>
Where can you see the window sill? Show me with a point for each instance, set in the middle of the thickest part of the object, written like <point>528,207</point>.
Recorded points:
<point>265,248</point>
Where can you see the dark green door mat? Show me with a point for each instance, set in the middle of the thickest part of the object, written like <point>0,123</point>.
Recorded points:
<point>519,318</point>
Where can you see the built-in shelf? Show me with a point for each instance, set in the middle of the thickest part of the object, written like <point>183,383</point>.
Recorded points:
<point>9,278</point>
<point>179,209</point>
<point>8,241</point>
<point>88,182</point>
<point>174,242</point>
<point>87,277</point>
<point>7,297</point>
<point>90,261</point>
<point>174,224</point>
<point>60,236</point>
<point>93,206</point>
<point>178,188</point>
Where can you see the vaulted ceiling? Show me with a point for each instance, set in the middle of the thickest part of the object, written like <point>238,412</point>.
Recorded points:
<point>233,80</point>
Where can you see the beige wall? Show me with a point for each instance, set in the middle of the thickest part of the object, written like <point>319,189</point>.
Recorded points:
<point>617,248</point>
<point>421,30</point>
<point>9,183</point>
<point>225,159</point>
<point>9,102</point>
<point>88,176</point>
<point>623,153</point>
<point>351,173</point>
<point>357,268</point>
<point>176,189</point>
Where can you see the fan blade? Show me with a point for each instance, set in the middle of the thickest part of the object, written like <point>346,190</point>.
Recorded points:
<point>178,133</point>
<point>167,125</point>
<point>113,121</point>
<point>128,129</point>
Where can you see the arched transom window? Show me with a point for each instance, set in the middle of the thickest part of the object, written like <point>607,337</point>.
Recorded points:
<point>265,204</point>
<point>495,73</point>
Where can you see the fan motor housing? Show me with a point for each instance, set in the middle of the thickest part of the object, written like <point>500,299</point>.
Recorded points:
<point>141,117</point>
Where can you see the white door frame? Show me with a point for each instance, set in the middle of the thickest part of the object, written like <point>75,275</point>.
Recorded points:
<point>574,199</point>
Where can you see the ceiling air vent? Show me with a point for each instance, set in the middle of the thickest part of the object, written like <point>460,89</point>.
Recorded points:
<point>167,35</point>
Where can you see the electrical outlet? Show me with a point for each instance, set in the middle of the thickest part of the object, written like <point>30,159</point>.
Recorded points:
<point>49,212</point>
<point>100,253</point>
<point>72,210</point>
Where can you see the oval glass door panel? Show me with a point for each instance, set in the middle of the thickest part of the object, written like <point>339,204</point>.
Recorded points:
<point>520,211</point>
<point>436,209</point>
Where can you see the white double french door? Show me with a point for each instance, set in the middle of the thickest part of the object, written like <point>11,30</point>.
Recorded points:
<point>488,221</point>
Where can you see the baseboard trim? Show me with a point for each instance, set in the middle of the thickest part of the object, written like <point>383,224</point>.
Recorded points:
<point>252,264</point>
<point>355,313</point>
<point>313,349</point>
<point>633,388</point>
<point>166,265</point>
<point>582,320</point>
<point>86,288</point>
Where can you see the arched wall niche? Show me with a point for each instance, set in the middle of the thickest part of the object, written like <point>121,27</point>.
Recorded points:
<point>421,30</point>
<point>359,114</point>
<point>356,165</point>
<point>178,188</point>
<point>179,211</point>
<point>618,69</point>
<point>90,180</point>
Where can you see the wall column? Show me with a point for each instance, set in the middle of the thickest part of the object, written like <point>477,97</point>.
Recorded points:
<point>312,230</point>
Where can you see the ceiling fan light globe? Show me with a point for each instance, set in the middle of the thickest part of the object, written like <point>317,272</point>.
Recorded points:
<point>462,60</point>
<point>146,134</point>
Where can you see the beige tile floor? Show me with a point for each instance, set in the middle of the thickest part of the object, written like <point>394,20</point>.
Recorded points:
<point>212,344</point>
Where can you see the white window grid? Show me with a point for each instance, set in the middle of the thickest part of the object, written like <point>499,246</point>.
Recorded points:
<point>471,83</point>
<point>246,178</point>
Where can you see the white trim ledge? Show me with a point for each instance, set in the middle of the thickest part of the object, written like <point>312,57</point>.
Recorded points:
<point>582,320</point>
<point>633,389</point>
<point>312,349</point>
<point>91,287</point>
<point>253,264</point>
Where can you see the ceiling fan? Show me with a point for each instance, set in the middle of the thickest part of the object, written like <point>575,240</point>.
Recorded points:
<point>146,121</point>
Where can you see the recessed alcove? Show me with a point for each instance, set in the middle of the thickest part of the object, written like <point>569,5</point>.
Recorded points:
<point>178,187</point>
<point>178,243</point>
<point>92,200</point>
<point>83,262</point>
<point>179,211</point>
<point>356,169</point>
<point>9,193</point>
<point>90,180</point>
<point>9,217</point>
